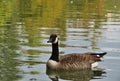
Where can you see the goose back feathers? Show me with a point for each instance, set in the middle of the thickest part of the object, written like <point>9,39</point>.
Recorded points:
<point>73,61</point>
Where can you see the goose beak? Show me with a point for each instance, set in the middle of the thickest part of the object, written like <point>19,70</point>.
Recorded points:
<point>49,41</point>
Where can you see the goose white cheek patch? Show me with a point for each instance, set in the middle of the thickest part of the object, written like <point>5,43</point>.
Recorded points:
<point>56,40</point>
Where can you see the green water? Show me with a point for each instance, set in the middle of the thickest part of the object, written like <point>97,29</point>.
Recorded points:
<point>82,26</point>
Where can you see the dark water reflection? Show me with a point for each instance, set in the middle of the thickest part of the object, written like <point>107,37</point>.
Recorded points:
<point>79,75</point>
<point>82,26</point>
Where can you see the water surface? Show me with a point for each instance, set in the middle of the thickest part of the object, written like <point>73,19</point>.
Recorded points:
<point>82,26</point>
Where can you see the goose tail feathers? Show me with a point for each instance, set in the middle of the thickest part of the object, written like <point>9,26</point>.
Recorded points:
<point>100,54</point>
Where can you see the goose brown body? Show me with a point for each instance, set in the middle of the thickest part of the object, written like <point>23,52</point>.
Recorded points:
<point>73,61</point>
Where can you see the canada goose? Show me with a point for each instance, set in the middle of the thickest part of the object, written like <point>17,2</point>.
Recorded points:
<point>73,61</point>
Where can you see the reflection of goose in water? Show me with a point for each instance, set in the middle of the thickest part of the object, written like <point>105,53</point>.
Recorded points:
<point>78,75</point>
<point>72,61</point>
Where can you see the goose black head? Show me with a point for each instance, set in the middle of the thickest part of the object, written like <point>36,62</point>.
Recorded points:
<point>53,39</point>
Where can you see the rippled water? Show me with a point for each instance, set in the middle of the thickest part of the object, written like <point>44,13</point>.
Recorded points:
<point>82,27</point>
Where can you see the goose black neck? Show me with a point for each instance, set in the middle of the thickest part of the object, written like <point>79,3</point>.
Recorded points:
<point>55,52</point>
